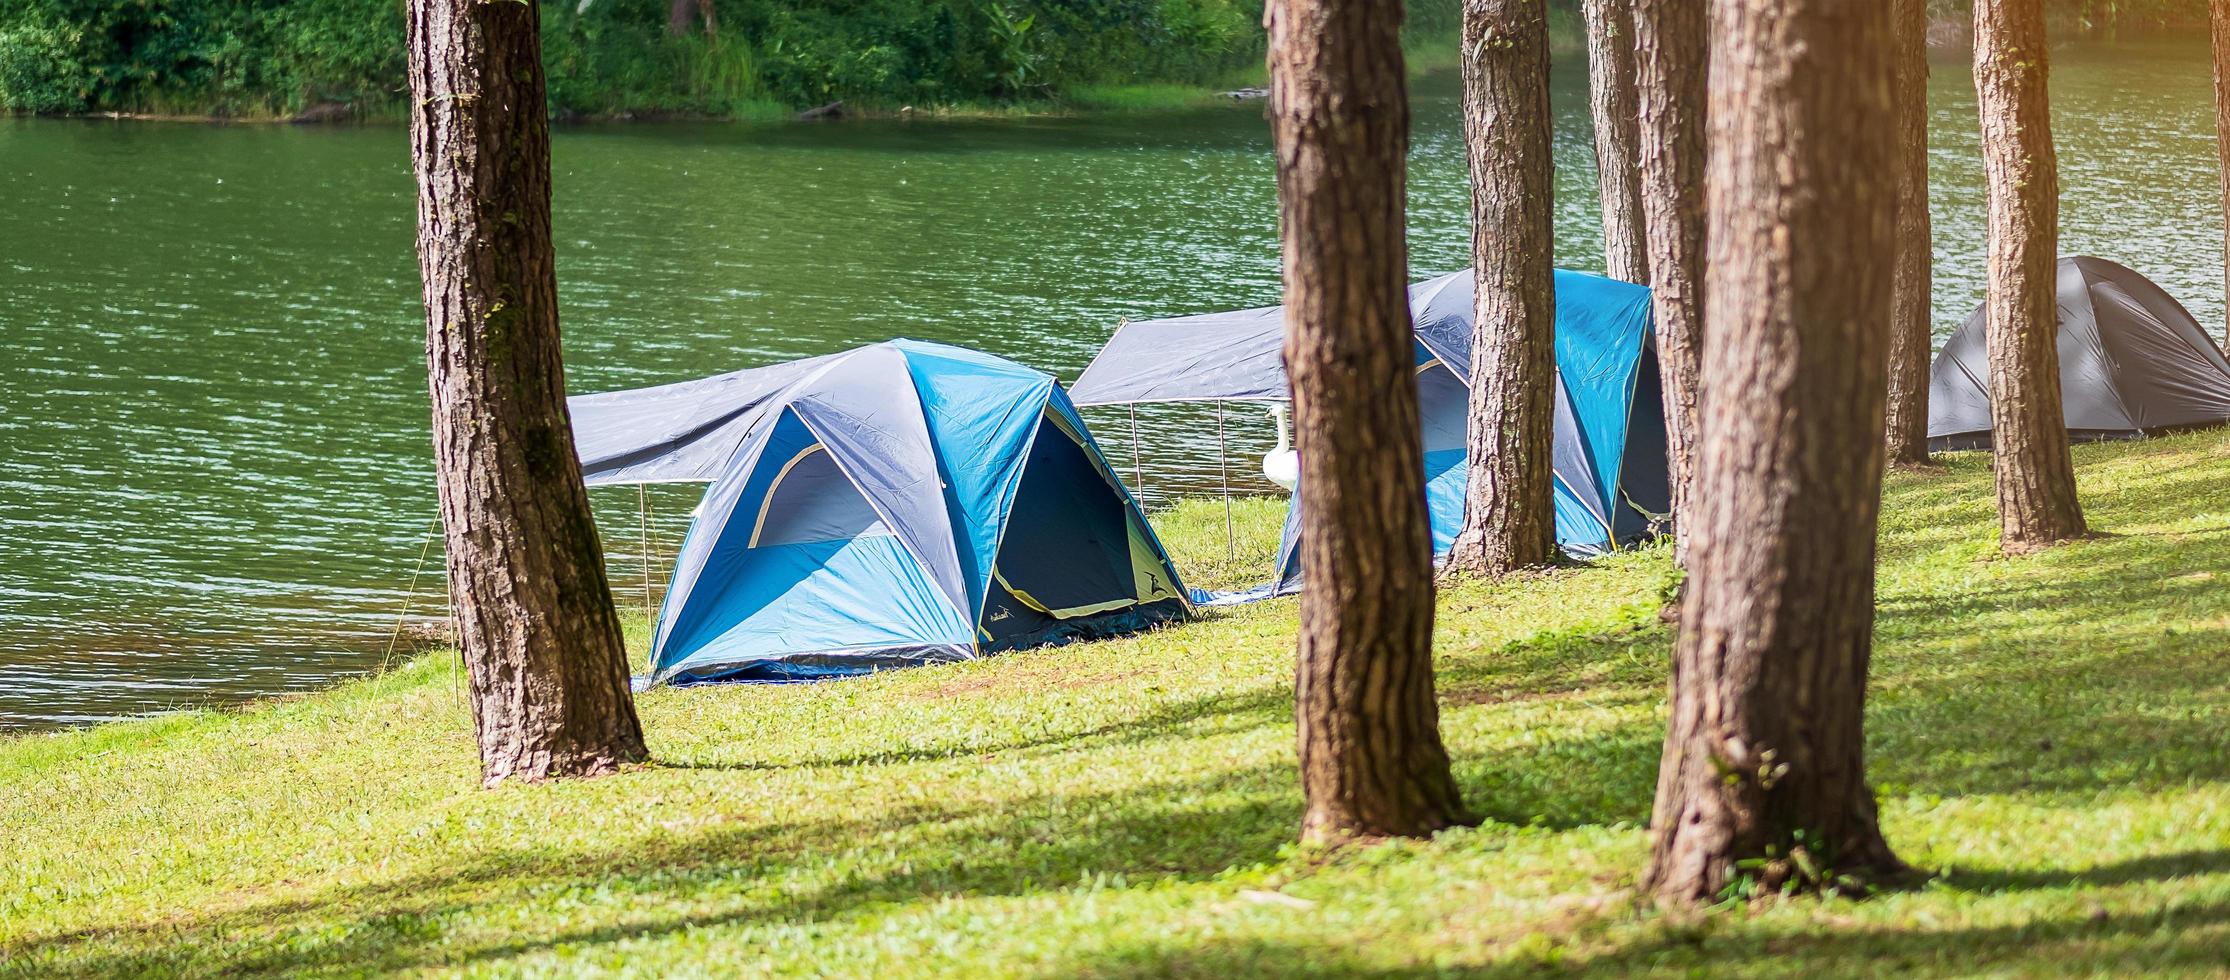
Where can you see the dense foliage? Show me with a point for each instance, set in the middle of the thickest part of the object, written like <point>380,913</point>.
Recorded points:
<point>261,57</point>
<point>174,55</point>
<point>275,57</point>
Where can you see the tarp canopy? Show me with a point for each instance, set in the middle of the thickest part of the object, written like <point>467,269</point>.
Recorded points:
<point>677,433</point>
<point>1612,486</point>
<point>898,504</point>
<point>2132,362</point>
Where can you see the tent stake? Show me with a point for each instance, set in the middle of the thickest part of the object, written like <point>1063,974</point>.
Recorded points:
<point>642,500</point>
<point>1223,469</point>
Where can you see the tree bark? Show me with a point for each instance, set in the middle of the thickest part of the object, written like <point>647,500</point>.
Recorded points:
<point>1911,338</point>
<point>541,642</point>
<point>1764,757</point>
<point>1612,101</point>
<point>681,13</point>
<point>2037,506</point>
<point>2219,16</point>
<point>1372,763</point>
<point>1671,62</point>
<point>1509,510</point>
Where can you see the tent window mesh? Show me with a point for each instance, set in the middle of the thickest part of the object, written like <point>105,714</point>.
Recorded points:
<point>812,500</point>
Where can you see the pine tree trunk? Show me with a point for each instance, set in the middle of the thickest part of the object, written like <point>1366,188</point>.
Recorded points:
<point>681,13</point>
<point>1371,758</point>
<point>1612,103</point>
<point>1671,65</point>
<point>2219,14</point>
<point>1910,332</point>
<point>2037,506</point>
<point>1765,755</point>
<point>541,642</point>
<point>1509,513</point>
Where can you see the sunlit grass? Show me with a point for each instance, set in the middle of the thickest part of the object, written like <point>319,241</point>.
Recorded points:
<point>2051,734</point>
<point>1222,549</point>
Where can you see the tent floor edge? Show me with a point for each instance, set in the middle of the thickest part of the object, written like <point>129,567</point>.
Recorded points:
<point>798,668</point>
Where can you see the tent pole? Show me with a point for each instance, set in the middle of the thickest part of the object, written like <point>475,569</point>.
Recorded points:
<point>1137,468</point>
<point>1223,468</point>
<point>642,501</point>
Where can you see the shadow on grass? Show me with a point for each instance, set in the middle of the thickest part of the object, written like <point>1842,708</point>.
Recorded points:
<point>756,874</point>
<point>2107,677</point>
<point>2191,937</point>
<point>2006,712</point>
<point>2154,867</point>
<point>491,907</point>
<point>1215,714</point>
<point>1606,776</point>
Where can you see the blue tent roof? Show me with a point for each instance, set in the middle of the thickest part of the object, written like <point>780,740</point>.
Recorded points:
<point>862,512</point>
<point>1611,474</point>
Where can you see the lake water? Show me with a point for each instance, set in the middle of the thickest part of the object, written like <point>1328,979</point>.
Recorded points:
<point>214,473</point>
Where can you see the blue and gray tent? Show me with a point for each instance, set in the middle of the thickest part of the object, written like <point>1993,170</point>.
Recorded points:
<point>900,504</point>
<point>1612,483</point>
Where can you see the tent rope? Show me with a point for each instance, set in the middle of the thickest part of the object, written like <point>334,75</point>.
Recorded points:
<point>1223,469</point>
<point>392,638</point>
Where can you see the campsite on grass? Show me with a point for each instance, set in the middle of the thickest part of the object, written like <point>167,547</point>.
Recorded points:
<point>1302,488</point>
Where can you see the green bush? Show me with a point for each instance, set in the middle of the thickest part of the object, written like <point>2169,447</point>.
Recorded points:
<point>265,57</point>
<point>249,57</point>
<point>39,71</point>
<point>274,57</point>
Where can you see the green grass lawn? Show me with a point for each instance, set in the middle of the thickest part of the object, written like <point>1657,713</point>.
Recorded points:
<point>2051,735</point>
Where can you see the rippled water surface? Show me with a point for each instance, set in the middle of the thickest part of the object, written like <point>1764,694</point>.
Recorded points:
<point>214,477</point>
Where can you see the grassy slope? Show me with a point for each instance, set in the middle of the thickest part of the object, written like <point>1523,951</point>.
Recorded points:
<point>2047,732</point>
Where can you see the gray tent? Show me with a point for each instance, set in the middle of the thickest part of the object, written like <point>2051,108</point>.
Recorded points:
<point>2133,362</point>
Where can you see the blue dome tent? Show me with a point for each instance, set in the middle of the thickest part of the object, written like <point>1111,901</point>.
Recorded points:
<point>1611,474</point>
<point>900,504</point>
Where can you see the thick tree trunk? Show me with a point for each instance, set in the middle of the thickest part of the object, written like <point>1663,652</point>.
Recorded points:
<point>1509,513</point>
<point>2220,16</point>
<point>1371,758</point>
<point>541,643</point>
<point>1764,758</point>
<point>2036,474</point>
<point>682,13</point>
<point>1671,65</point>
<point>1910,336</point>
<point>1612,103</point>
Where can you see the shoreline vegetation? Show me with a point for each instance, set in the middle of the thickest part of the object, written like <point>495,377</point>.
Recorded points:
<point>605,72</point>
<point>691,79</point>
<point>600,72</point>
<point>1125,807</point>
<point>333,61</point>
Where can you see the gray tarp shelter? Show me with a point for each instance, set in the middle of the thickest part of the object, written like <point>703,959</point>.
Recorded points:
<point>2133,362</point>
<point>1612,486</point>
